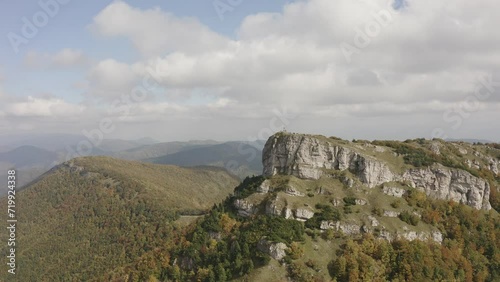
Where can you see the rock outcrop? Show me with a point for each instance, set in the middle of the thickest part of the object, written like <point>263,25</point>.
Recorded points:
<point>451,184</point>
<point>305,157</point>
<point>302,214</point>
<point>393,191</point>
<point>244,207</point>
<point>346,228</point>
<point>308,157</point>
<point>275,250</point>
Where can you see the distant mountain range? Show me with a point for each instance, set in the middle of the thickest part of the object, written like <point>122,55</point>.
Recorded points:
<point>239,158</point>
<point>34,156</point>
<point>470,140</point>
<point>28,156</point>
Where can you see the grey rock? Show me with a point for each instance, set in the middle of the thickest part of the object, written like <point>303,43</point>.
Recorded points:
<point>273,207</point>
<point>393,191</point>
<point>436,236</point>
<point>386,235</point>
<point>373,221</point>
<point>275,250</point>
<point>493,165</point>
<point>346,228</point>
<point>391,213</point>
<point>451,184</point>
<point>468,163</point>
<point>476,164</point>
<point>360,202</point>
<point>264,187</point>
<point>303,214</point>
<point>293,192</point>
<point>435,148</point>
<point>349,182</point>
<point>244,207</point>
<point>337,202</point>
<point>306,156</point>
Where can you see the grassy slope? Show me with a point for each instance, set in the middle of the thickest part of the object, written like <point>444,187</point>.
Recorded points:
<point>77,223</point>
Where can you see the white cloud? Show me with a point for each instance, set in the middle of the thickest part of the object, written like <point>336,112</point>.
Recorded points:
<point>110,78</point>
<point>154,32</point>
<point>66,58</point>
<point>42,107</point>
<point>69,57</point>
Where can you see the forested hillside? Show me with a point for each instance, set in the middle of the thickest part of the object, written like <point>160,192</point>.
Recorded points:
<point>92,216</point>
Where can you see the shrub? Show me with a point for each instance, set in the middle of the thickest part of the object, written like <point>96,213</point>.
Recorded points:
<point>396,204</point>
<point>347,209</point>
<point>350,201</point>
<point>409,218</point>
<point>377,211</point>
<point>248,186</point>
<point>295,251</point>
<point>325,212</point>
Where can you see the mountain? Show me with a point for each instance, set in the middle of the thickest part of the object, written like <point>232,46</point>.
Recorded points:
<point>28,156</point>
<point>29,161</point>
<point>32,161</point>
<point>329,209</point>
<point>443,170</point>
<point>323,209</point>
<point>160,149</point>
<point>59,142</point>
<point>50,142</point>
<point>92,216</point>
<point>239,158</point>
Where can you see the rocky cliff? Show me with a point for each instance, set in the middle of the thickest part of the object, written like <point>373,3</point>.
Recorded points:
<point>451,184</point>
<point>311,157</point>
<point>305,156</point>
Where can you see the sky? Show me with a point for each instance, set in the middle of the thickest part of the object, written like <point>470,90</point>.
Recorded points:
<point>241,69</point>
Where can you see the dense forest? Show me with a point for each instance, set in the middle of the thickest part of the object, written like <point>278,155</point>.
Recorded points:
<point>224,246</point>
<point>90,219</point>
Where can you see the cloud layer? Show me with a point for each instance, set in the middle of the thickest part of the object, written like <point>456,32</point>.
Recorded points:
<point>336,65</point>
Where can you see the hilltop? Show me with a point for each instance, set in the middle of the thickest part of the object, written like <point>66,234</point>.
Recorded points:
<point>90,216</point>
<point>327,208</point>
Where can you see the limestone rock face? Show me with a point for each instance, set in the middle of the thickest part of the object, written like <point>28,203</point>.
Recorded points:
<point>360,202</point>
<point>436,236</point>
<point>346,228</point>
<point>273,207</point>
<point>275,250</point>
<point>451,184</point>
<point>435,148</point>
<point>373,221</point>
<point>391,213</point>
<point>288,213</point>
<point>264,187</point>
<point>245,208</point>
<point>306,156</point>
<point>493,165</point>
<point>393,191</point>
<point>293,192</point>
<point>303,214</point>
